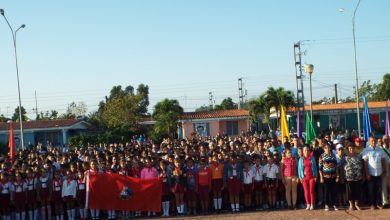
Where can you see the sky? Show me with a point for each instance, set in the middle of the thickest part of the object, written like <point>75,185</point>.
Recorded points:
<point>78,50</point>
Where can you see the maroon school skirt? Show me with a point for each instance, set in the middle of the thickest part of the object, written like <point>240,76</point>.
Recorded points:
<point>165,189</point>
<point>258,186</point>
<point>234,185</point>
<point>178,188</point>
<point>204,192</point>
<point>217,184</point>
<point>81,198</point>
<point>4,200</point>
<point>68,199</point>
<point>31,196</point>
<point>56,197</point>
<point>191,195</point>
<point>248,188</point>
<point>20,199</point>
<point>44,194</point>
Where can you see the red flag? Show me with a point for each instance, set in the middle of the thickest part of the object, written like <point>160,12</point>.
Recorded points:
<point>105,189</point>
<point>11,143</point>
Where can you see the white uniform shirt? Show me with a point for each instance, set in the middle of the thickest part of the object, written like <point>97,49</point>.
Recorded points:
<point>258,171</point>
<point>69,188</point>
<point>248,176</point>
<point>374,159</point>
<point>5,188</point>
<point>270,171</point>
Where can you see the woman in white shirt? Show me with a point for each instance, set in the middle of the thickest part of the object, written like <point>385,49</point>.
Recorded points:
<point>69,189</point>
<point>271,172</point>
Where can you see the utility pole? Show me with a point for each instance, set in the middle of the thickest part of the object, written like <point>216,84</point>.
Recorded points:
<point>211,100</point>
<point>240,94</point>
<point>336,99</point>
<point>299,81</point>
<point>36,104</point>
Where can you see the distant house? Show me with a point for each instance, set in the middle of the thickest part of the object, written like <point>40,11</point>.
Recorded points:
<point>211,123</point>
<point>343,116</point>
<point>55,131</point>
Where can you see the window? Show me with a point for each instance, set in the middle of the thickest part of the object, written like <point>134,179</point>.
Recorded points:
<point>232,127</point>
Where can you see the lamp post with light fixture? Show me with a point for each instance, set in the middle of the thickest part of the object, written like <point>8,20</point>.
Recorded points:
<point>17,74</point>
<point>309,69</point>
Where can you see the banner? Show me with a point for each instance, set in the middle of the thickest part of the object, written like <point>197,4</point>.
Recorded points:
<point>107,191</point>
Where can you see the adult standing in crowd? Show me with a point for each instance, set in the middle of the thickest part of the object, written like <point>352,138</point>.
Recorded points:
<point>375,165</point>
<point>329,176</point>
<point>290,179</point>
<point>353,170</point>
<point>307,172</point>
<point>386,180</point>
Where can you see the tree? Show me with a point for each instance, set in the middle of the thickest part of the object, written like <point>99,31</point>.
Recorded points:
<point>121,112</point>
<point>75,110</point>
<point>204,108</point>
<point>258,107</point>
<point>122,108</point>
<point>15,117</point>
<point>48,115</point>
<point>166,114</point>
<point>3,118</point>
<point>143,93</point>
<point>275,98</point>
<point>226,104</point>
<point>382,90</point>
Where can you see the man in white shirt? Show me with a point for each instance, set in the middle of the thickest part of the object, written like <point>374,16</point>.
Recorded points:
<point>375,165</point>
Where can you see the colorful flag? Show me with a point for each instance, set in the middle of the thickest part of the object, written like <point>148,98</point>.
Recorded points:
<point>299,130</point>
<point>310,132</point>
<point>284,125</point>
<point>366,120</point>
<point>11,142</point>
<point>110,191</point>
<point>387,119</point>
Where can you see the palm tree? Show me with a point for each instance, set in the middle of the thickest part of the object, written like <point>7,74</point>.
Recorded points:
<point>259,106</point>
<point>279,97</point>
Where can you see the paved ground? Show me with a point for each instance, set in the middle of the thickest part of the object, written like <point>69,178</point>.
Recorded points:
<point>301,214</point>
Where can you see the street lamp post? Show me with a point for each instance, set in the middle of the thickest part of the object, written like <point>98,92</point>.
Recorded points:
<point>309,69</point>
<point>17,73</point>
<point>356,69</point>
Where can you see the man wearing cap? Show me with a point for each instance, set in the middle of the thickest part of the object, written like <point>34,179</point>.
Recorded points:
<point>386,180</point>
<point>375,165</point>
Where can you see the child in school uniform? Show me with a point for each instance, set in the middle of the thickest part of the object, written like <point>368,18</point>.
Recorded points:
<point>271,172</point>
<point>257,169</point>
<point>178,180</point>
<point>56,195</point>
<point>32,183</point>
<point>44,194</point>
<point>166,187</point>
<point>191,184</point>
<point>247,180</point>
<point>204,185</point>
<point>81,193</point>
<point>216,169</point>
<point>5,196</point>
<point>232,178</point>
<point>69,189</point>
<point>19,196</point>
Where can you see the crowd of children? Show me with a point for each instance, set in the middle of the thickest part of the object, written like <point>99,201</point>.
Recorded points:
<point>201,175</point>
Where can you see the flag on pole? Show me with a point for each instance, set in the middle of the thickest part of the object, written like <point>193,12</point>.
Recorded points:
<point>387,119</point>
<point>299,131</point>
<point>11,142</point>
<point>366,120</point>
<point>310,132</point>
<point>284,125</point>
